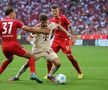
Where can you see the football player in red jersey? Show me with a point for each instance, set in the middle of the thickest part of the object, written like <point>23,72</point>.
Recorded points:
<point>61,40</point>
<point>10,45</point>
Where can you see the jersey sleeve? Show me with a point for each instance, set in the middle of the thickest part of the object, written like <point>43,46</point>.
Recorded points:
<point>67,21</point>
<point>19,24</point>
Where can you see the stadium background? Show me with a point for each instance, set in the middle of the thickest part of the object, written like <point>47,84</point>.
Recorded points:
<point>88,17</point>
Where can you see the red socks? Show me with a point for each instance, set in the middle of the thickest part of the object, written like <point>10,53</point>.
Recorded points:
<point>32,64</point>
<point>74,63</point>
<point>49,66</point>
<point>4,65</point>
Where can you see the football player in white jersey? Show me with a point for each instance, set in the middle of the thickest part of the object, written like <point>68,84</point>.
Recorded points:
<point>41,47</point>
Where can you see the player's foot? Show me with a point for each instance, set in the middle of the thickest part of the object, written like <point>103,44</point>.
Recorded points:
<point>45,77</point>
<point>52,78</point>
<point>80,76</point>
<point>13,79</point>
<point>35,77</point>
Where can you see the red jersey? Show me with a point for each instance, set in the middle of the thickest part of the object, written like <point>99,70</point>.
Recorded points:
<point>8,29</point>
<point>63,21</point>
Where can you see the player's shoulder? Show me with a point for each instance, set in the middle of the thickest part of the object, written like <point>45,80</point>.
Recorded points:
<point>17,21</point>
<point>63,16</point>
<point>10,20</point>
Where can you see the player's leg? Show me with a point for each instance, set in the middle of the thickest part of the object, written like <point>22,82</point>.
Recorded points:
<point>52,56</point>
<point>31,61</point>
<point>66,48</point>
<point>49,65</point>
<point>8,54</point>
<point>20,72</point>
<point>56,48</point>
<point>56,64</point>
<point>6,62</point>
<point>76,66</point>
<point>20,51</point>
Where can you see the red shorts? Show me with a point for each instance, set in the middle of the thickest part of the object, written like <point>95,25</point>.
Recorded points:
<point>12,48</point>
<point>62,43</point>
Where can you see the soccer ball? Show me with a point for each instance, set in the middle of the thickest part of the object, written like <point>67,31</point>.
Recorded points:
<point>60,79</point>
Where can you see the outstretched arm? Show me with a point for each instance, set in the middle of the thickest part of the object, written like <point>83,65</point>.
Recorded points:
<point>72,33</point>
<point>53,25</point>
<point>64,30</point>
<point>71,30</point>
<point>36,30</point>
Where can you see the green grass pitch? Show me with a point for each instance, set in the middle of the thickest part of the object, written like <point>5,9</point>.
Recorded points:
<point>92,60</point>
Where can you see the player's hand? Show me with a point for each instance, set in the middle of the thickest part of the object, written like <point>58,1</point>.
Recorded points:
<point>73,38</point>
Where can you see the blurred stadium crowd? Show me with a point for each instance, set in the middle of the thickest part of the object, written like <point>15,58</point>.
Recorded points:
<point>87,16</point>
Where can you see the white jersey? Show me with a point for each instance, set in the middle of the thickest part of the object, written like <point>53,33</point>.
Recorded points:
<point>41,44</point>
<point>42,41</point>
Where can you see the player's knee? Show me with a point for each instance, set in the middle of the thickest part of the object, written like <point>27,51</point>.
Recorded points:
<point>70,56</point>
<point>58,63</point>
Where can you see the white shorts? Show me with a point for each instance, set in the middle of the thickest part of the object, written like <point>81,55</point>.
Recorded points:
<point>49,54</point>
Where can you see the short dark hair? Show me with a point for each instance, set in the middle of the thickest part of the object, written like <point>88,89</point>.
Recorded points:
<point>8,10</point>
<point>43,17</point>
<point>54,6</point>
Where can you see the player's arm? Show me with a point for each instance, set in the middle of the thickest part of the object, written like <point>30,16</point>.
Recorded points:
<point>71,29</point>
<point>71,36</point>
<point>31,29</point>
<point>64,30</point>
<point>55,25</point>
<point>35,30</point>
<point>67,22</point>
<point>72,33</point>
